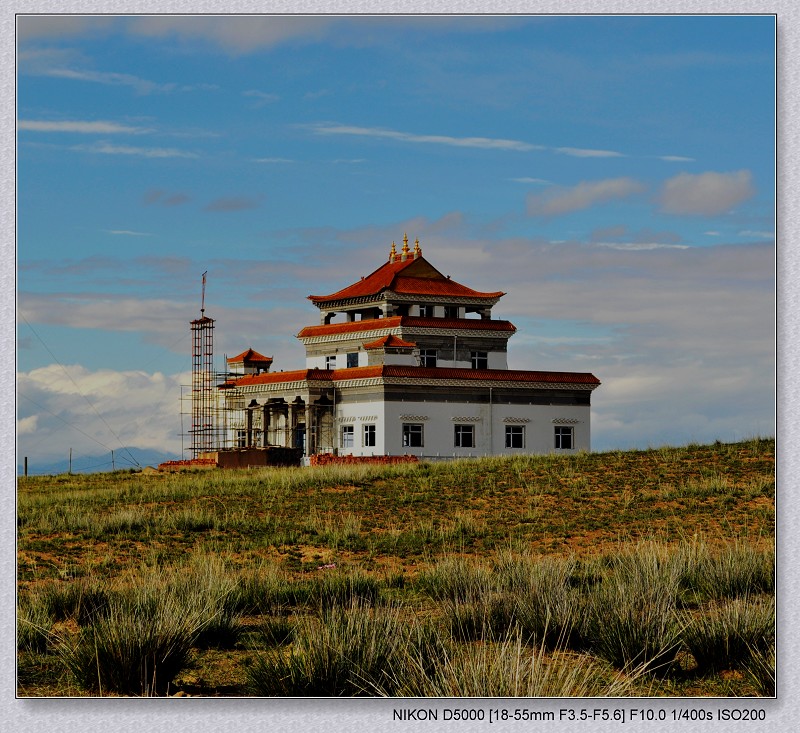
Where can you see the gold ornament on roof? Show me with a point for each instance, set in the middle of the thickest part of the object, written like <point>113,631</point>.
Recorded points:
<point>417,248</point>
<point>392,254</point>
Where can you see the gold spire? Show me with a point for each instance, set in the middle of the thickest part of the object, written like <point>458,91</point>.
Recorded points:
<point>392,254</point>
<point>417,248</point>
<point>404,255</point>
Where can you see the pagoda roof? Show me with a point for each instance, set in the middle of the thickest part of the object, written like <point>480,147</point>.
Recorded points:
<point>421,373</point>
<point>375,324</point>
<point>389,342</point>
<point>250,356</point>
<point>412,275</point>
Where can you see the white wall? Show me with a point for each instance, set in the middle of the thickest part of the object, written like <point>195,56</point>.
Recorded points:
<point>439,420</point>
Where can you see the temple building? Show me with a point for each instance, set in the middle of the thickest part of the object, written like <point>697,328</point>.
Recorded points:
<point>406,361</point>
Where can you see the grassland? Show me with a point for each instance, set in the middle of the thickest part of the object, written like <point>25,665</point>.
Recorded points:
<point>622,573</point>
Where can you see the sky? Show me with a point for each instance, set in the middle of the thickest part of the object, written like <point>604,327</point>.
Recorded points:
<point>613,175</point>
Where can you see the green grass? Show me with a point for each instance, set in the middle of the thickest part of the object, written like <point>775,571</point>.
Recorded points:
<point>492,576</point>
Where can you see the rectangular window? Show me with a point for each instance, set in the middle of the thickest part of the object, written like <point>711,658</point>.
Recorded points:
<point>352,360</point>
<point>347,436</point>
<point>464,436</point>
<point>564,437</point>
<point>451,311</point>
<point>515,436</point>
<point>412,435</point>
<point>241,438</point>
<point>330,362</point>
<point>480,359</point>
<point>369,436</point>
<point>426,311</point>
<point>427,357</point>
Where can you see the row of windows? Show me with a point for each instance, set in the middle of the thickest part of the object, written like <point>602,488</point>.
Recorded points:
<point>463,437</point>
<point>427,358</point>
<point>450,311</point>
<point>352,361</point>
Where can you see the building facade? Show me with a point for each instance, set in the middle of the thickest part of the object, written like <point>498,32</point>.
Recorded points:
<point>406,361</point>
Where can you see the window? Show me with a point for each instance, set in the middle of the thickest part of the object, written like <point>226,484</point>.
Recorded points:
<point>347,436</point>
<point>564,437</point>
<point>241,439</point>
<point>426,311</point>
<point>515,436</point>
<point>352,360</point>
<point>480,359</point>
<point>451,311</point>
<point>369,436</point>
<point>412,435</point>
<point>427,357</point>
<point>330,362</point>
<point>465,436</point>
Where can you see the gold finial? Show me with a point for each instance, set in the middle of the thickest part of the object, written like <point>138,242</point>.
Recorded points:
<point>404,256</point>
<point>405,239</point>
<point>417,248</point>
<point>392,254</point>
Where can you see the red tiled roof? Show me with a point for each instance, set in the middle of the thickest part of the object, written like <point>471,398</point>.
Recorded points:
<point>249,356</point>
<point>391,342</point>
<point>498,375</point>
<point>375,324</point>
<point>419,278</point>
<point>414,372</point>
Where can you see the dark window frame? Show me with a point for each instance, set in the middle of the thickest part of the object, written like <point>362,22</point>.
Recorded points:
<point>515,436</point>
<point>564,437</point>
<point>464,436</point>
<point>413,435</point>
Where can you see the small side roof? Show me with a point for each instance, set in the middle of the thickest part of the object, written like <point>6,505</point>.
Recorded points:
<point>250,357</point>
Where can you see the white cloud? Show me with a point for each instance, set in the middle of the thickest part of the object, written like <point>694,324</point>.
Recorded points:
<point>587,153</point>
<point>106,148</point>
<point>141,86</point>
<point>537,181</point>
<point>759,235</point>
<point>262,98</point>
<point>97,127</point>
<point>27,425</point>
<point>675,159</point>
<point>557,201</point>
<point>640,245</point>
<point>706,194</point>
<point>72,407</point>
<point>462,142</point>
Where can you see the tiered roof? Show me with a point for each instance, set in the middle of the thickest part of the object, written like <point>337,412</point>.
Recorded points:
<point>422,373</point>
<point>408,273</point>
<point>250,357</point>
<point>375,324</point>
<point>389,342</point>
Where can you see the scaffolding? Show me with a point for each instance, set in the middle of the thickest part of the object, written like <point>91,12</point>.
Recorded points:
<point>203,426</point>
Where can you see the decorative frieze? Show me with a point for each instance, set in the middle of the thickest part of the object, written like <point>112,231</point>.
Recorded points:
<point>566,421</point>
<point>516,420</point>
<point>413,418</point>
<point>471,418</point>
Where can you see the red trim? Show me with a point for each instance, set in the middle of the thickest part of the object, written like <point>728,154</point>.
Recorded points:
<point>389,342</point>
<point>414,372</point>
<point>375,324</point>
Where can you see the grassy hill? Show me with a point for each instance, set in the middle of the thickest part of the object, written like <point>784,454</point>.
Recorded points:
<point>450,552</point>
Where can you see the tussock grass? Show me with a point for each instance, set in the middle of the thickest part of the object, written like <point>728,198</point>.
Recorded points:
<point>350,652</point>
<point>727,634</point>
<point>632,617</point>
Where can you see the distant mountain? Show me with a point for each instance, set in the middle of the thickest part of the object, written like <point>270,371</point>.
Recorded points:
<point>124,458</point>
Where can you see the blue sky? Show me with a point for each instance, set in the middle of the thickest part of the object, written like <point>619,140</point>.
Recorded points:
<point>615,176</point>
